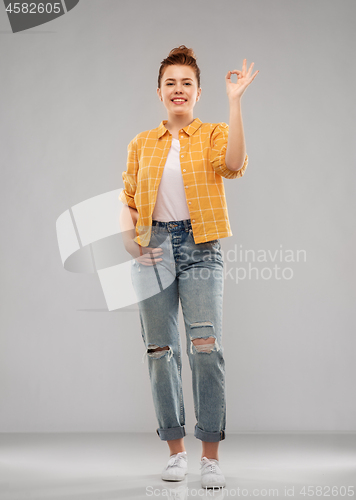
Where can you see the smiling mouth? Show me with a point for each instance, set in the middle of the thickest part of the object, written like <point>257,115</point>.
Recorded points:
<point>178,100</point>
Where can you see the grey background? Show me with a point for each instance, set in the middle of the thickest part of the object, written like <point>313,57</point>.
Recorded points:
<point>74,93</point>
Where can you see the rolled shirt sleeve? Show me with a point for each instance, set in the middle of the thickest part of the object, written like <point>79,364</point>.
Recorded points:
<point>127,195</point>
<point>218,145</point>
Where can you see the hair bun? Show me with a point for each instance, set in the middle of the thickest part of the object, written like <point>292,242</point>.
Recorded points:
<point>180,56</point>
<point>182,49</point>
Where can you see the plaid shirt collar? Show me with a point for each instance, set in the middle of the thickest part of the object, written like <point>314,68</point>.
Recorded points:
<point>190,129</point>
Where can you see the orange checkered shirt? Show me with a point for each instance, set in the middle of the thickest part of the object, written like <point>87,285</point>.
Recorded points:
<point>202,160</point>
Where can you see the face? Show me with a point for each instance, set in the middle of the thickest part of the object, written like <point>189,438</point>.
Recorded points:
<point>179,89</point>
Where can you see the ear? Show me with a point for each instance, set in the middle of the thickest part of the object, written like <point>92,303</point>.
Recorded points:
<point>198,94</point>
<point>159,93</point>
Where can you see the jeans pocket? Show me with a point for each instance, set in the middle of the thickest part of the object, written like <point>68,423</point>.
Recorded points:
<point>215,243</point>
<point>135,263</point>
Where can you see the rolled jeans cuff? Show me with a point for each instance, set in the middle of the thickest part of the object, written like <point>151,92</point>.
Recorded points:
<point>172,433</point>
<point>210,437</point>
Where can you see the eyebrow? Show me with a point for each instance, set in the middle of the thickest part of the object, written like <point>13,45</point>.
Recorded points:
<point>175,79</point>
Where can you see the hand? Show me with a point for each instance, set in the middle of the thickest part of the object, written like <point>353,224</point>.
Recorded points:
<point>147,256</point>
<point>235,90</point>
<point>150,256</point>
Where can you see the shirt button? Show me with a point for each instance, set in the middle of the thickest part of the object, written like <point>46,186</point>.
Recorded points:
<point>193,220</point>
<point>182,156</point>
<point>186,187</point>
<point>182,136</point>
<point>183,169</point>
<point>189,202</point>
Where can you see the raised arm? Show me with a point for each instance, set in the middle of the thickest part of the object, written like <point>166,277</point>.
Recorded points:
<point>236,148</point>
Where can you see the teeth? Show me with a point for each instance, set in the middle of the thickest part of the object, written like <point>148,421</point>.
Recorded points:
<point>179,100</point>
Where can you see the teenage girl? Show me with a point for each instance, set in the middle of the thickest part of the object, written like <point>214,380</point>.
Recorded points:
<point>173,217</point>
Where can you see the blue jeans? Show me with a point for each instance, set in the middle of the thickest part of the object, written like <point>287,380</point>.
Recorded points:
<point>193,273</point>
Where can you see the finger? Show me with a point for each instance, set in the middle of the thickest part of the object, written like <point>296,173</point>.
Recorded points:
<point>151,262</point>
<point>147,258</point>
<point>250,69</point>
<point>254,75</point>
<point>244,66</point>
<point>235,71</point>
<point>155,250</point>
<point>152,256</point>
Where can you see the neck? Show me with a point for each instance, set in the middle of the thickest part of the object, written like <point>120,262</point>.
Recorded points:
<point>175,122</point>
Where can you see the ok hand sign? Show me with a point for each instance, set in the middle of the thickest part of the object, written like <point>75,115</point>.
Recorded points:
<point>235,90</point>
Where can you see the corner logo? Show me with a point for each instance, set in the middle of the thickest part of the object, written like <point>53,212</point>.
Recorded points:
<point>26,15</point>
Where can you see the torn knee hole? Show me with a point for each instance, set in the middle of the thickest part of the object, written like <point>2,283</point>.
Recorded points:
<point>209,340</point>
<point>204,344</point>
<point>156,351</point>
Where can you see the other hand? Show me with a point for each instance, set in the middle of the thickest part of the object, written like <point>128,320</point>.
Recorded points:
<point>147,256</point>
<point>235,90</point>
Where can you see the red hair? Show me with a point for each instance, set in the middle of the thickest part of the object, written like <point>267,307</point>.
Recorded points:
<point>183,56</point>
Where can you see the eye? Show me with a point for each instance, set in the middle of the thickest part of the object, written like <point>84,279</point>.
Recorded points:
<point>187,83</point>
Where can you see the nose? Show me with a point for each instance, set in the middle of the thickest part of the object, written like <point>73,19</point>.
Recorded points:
<point>179,88</point>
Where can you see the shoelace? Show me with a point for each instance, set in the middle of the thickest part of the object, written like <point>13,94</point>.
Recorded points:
<point>173,461</point>
<point>211,466</point>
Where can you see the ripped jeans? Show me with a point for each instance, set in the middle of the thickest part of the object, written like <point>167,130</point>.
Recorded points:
<point>194,274</point>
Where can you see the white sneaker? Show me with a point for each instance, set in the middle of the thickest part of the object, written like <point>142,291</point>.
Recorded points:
<point>211,475</point>
<point>177,467</point>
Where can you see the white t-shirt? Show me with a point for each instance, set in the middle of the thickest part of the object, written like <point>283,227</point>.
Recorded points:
<point>171,203</point>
